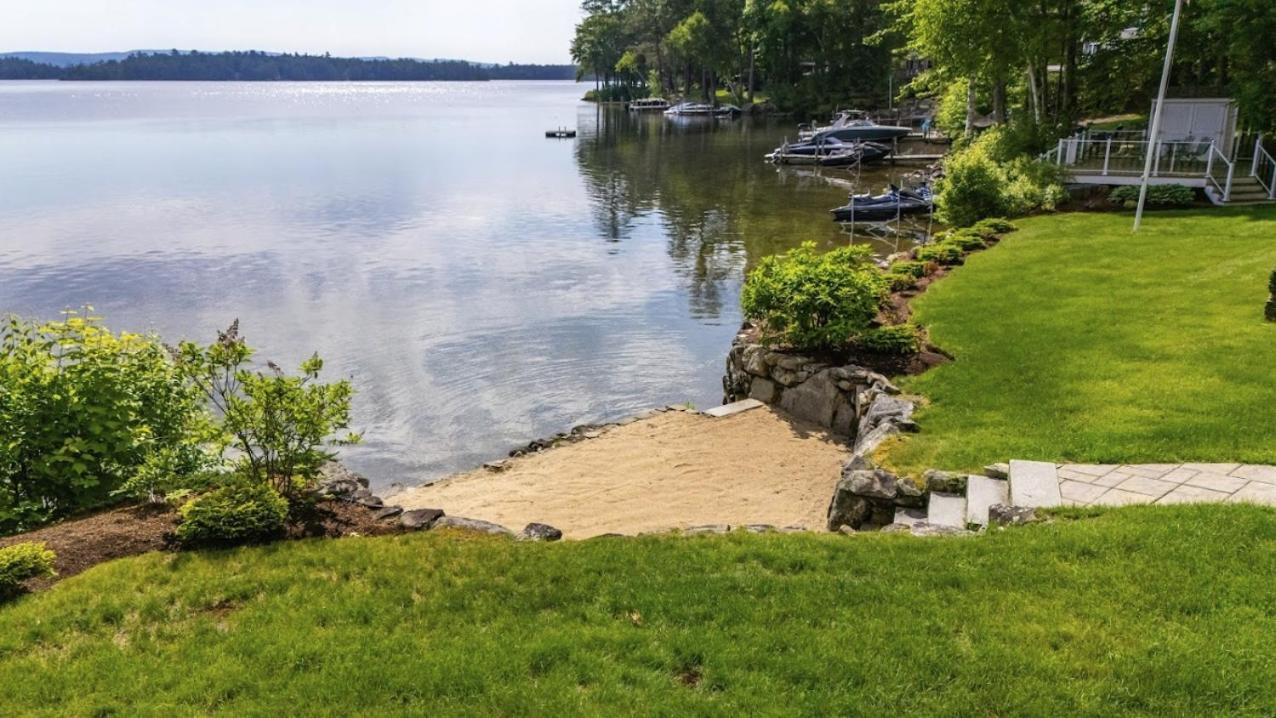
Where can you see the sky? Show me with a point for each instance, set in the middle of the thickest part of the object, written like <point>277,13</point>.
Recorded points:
<point>480,30</point>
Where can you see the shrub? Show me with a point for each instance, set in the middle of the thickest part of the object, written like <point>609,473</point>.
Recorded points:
<point>900,281</point>
<point>1159,195</point>
<point>911,268</point>
<point>993,226</point>
<point>967,239</point>
<point>893,339</point>
<point>945,252</point>
<point>23,561</point>
<point>81,409</point>
<point>986,179</point>
<point>278,425</point>
<point>814,301</point>
<point>241,511</point>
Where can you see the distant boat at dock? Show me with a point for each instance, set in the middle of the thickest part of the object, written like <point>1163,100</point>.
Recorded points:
<point>561,132</point>
<point>648,104</point>
<point>828,153</point>
<point>702,109</point>
<point>853,125</point>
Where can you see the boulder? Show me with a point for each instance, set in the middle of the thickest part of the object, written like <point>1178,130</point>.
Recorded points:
<point>944,482</point>
<point>540,532</point>
<point>388,512</point>
<point>884,408</point>
<point>815,400</point>
<point>370,502</point>
<point>764,390</point>
<point>997,471</point>
<point>497,466</point>
<point>420,519</point>
<point>476,525</point>
<point>847,508</point>
<point>336,480</point>
<point>760,528</point>
<point>1004,515</point>
<point>909,495</point>
<point>872,483</point>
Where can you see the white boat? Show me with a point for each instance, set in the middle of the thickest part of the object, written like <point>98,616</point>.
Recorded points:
<point>852,125</point>
<point>648,104</point>
<point>702,109</point>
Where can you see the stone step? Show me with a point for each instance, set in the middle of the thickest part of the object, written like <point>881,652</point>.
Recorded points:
<point>1034,484</point>
<point>946,510</point>
<point>981,493</point>
<point>734,408</point>
<point>909,517</point>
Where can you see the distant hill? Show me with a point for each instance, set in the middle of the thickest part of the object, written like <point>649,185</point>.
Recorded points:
<point>258,66</point>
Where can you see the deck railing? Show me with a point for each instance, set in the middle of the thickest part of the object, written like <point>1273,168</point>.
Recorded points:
<point>1263,168</point>
<point>1219,172</point>
<point>1113,155</point>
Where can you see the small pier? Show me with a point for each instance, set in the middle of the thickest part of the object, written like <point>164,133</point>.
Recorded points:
<point>560,133</point>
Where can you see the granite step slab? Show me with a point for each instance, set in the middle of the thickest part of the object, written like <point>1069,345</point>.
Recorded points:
<point>735,407</point>
<point>981,493</point>
<point>1034,484</point>
<point>946,510</point>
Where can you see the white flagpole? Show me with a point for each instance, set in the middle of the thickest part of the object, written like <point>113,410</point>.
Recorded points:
<point>1156,114</point>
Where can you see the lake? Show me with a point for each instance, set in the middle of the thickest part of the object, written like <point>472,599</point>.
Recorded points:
<point>480,284</point>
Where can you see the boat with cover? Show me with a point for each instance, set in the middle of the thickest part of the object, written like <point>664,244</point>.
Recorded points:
<point>828,153</point>
<point>702,109</point>
<point>894,203</point>
<point>648,104</point>
<point>853,125</point>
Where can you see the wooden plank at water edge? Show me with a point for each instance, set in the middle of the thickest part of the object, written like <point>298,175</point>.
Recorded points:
<point>734,408</point>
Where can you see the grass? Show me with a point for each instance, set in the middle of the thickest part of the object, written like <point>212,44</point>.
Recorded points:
<point>1079,341</point>
<point>1158,611</point>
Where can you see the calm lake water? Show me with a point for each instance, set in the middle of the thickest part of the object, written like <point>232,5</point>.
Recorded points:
<point>481,285</point>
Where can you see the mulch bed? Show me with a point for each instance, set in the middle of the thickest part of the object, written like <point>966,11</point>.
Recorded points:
<point>82,543</point>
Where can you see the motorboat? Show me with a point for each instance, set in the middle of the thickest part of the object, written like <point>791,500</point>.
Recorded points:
<point>648,104</point>
<point>828,153</point>
<point>895,202</point>
<point>853,125</point>
<point>702,109</point>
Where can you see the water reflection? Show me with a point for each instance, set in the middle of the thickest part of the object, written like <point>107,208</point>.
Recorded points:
<point>480,284</point>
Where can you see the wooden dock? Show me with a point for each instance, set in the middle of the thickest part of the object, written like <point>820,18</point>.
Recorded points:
<point>916,158</point>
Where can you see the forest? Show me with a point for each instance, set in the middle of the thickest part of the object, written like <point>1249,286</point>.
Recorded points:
<point>1047,62</point>
<point>262,66</point>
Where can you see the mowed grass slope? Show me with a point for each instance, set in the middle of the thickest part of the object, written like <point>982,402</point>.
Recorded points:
<point>1166,611</point>
<point>1077,340</point>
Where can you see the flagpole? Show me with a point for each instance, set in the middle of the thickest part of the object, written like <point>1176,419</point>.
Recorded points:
<point>1156,114</point>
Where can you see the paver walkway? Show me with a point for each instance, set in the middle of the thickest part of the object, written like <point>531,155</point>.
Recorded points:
<point>1117,485</point>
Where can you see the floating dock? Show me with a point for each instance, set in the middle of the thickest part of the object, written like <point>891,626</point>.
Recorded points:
<point>561,132</point>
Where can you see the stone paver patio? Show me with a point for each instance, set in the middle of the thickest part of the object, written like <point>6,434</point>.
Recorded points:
<point>1117,485</point>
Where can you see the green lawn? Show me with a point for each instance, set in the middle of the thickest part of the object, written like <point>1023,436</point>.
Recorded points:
<point>1079,341</point>
<point>1165,611</point>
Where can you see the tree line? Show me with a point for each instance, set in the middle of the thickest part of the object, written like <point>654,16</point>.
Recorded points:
<point>1048,62</point>
<point>262,66</point>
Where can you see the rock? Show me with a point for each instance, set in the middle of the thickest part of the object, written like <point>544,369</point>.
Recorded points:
<point>707,529</point>
<point>857,462</point>
<point>886,408</point>
<point>1003,515</point>
<point>764,390</point>
<point>997,471</point>
<point>815,400</point>
<point>388,512</point>
<point>873,484</point>
<point>945,482</point>
<point>371,502</point>
<point>336,480</point>
<point>477,525</point>
<point>360,495</point>
<point>846,530</point>
<point>866,444</point>
<point>908,494</point>
<point>847,509</point>
<point>497,466</point>
<point>753,358</point>
<point>760,528</point>
<point>897,528</point>
<point>925,529</point>
<point>420,519</point>
<point>540,532</point>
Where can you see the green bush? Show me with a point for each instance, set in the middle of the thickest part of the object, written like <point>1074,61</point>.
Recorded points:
<point>900,281</point>
<point>278,425</point>
<point>967,239</point>
<point>241,511</point>
<point>1159,195</point>
<point>23,561</point>
<point>912,268</point>
<point>944,252</point>
<point>893,339</point>
<point>986,180</point>
<point>993,226</point>
<point>814,301</point>
<point>81,410</point>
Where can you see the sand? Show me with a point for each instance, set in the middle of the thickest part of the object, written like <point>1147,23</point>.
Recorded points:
<point>674,470</point>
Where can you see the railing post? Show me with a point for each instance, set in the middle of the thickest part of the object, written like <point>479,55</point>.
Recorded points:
<point>1271,193</point>
<point>1209,161</point>
<point>1227,191</point>
<point>1060,148</point>
<point>1258,146</point>
<point>1156,158</point>
<point>1107,154</point>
